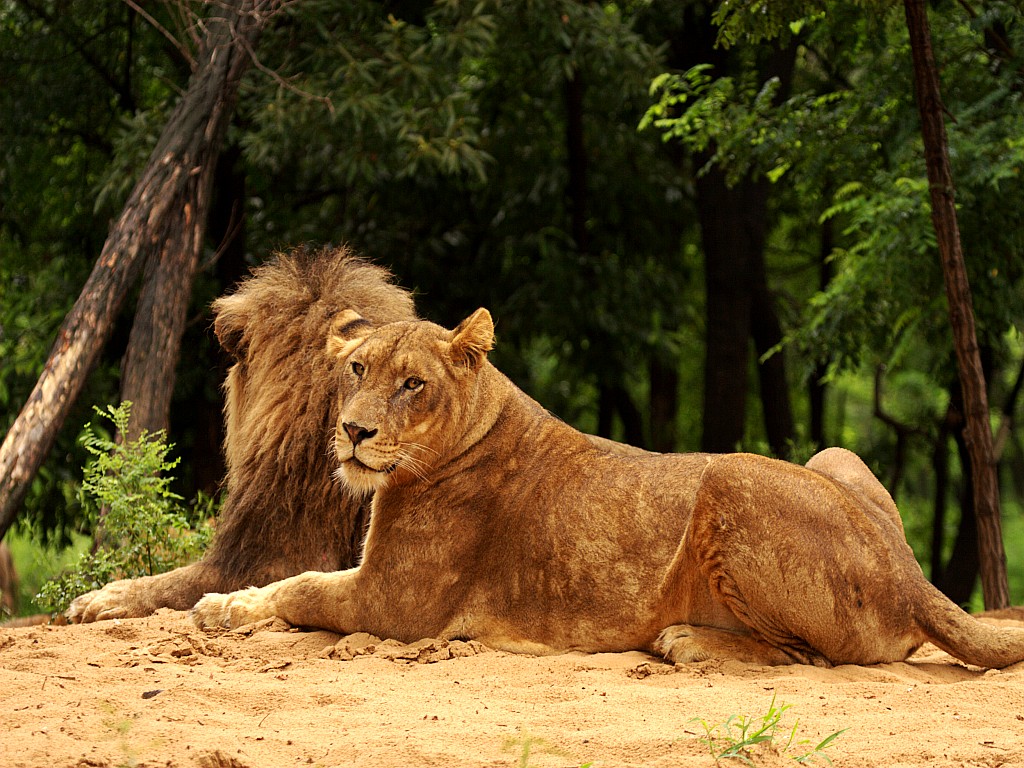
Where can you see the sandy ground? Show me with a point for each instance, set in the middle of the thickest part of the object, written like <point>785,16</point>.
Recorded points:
<point>159,692</point>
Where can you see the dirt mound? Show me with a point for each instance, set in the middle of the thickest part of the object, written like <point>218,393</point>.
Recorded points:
<point>158,692</point>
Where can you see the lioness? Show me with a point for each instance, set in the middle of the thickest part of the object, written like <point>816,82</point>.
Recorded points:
<point>493,520</point>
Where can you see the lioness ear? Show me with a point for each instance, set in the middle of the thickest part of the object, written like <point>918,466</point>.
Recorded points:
<point>472,340</point>
<point>348,330</point>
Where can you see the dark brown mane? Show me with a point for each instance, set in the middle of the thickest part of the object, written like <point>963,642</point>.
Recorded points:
<point>283,512</point>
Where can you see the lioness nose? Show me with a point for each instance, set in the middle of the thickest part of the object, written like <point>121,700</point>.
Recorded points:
<point>357,433</point>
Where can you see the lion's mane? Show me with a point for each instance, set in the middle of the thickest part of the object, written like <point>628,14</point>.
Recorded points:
<point>280,412</point>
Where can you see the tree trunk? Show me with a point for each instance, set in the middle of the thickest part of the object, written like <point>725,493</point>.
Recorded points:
<point>940,469</point>
<point>960,573</point>
<point>725,233</point>
<point>733,222</point>
<point>957,576</point>
<point>576,158</point>
<point>977,431</point>
<point>663,404</point>
<point>817,386</point>
<point>149,366</point>
<point>148,372</point>
<point>203,410</point>
<point>771,373</point>
<point>164,212</point>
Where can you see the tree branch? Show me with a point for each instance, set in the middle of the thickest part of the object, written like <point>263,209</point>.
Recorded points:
<point>178,46</point>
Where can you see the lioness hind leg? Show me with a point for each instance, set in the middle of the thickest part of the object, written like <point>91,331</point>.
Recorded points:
<point>804,561</point>
<point>685,643</point>
<point>847,468</point>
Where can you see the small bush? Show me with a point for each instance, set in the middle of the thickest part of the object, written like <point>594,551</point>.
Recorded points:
<point>141,526</point>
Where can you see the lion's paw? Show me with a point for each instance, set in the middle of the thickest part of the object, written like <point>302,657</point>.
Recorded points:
<point>110,602</point>
<point>681,645</point>
<point>232,610</point>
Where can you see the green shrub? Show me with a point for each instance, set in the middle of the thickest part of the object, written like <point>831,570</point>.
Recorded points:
<point>141,526</point>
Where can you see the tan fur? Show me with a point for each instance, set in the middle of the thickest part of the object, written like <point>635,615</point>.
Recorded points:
<point>282,514</point>
<point>493,520</point>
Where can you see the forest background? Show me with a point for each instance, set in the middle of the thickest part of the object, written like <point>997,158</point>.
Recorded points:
<point>688,245</point>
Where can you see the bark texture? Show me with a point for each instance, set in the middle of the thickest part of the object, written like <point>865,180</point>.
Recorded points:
<point>977,431</point>
<point>148,370</point>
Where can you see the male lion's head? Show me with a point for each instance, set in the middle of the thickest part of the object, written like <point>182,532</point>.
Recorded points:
<point>406,394</point>
<point>280,410</point>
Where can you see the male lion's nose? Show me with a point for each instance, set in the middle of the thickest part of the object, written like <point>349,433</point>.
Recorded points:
<point>357,433</point>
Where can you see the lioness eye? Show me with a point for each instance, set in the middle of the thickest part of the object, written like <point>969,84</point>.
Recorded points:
<point>412,384</point>
<point>358,369</point>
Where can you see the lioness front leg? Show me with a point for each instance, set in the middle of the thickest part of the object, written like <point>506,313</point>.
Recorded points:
<point>311,599</point>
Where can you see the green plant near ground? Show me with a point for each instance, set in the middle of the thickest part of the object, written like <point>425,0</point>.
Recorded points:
<point>740,736</point>
<point>119,728</point>
<point>141,526</point>
<point>525,744</point>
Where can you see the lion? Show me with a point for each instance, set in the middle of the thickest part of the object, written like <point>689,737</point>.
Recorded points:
<point>495,521</point>
<point>282,514</point>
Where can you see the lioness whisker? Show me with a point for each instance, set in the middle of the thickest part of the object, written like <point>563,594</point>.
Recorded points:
<point>421,447</point>
<point>414,465</point>
<point>332,446</point>
<point>420,462</point>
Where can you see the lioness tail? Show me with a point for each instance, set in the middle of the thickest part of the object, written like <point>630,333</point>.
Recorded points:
<point>965,637</point>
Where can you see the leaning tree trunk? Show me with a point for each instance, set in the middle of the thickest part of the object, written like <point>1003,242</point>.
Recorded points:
<point>148,369</point>
<point>977,431</point>
<point>163,214</point>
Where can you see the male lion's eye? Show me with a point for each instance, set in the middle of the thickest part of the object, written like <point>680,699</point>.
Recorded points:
<point>413,384</point>
<point>358,369</point>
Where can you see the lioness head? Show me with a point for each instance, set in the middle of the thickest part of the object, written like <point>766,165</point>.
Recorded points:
<point>405,395</point>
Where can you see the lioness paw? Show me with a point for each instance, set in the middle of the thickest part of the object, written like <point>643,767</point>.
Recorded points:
<point>100,604</point>
<point>684,643</point>
<point>232,610</point>
<point>679,645</point>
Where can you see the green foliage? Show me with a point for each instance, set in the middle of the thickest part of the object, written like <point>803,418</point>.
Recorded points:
<point>740,737</point>
<point>143,529</point>
<point>756,21</point>
<point>36,564</point>
<point>844,153</point>
<point>372,99</point>
<point>527,744</point>
<point>731,119</point>
<point>69,71</point>
<point>889,257</point>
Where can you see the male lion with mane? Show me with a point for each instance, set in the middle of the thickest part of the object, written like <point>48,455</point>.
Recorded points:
<point>493,520</point>
<point>282,515</point>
